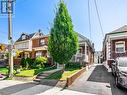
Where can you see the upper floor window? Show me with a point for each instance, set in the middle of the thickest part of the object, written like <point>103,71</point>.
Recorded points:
<point>23,37</point>
<point>42,42</point>
<point>120,47</point>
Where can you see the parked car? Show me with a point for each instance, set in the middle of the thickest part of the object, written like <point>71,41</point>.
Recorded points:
<point>119,70</point>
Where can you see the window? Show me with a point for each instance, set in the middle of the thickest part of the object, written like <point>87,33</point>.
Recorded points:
<point>38,53</point>
<point>42,42</point>
<point>23,37</point>
<point>120,47</point>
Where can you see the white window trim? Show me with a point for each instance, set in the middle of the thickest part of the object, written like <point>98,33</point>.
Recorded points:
<point>42,41</point>
<point>120,42</point>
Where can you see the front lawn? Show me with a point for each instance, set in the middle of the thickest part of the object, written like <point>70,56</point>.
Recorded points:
<point>26,73</point>
<point>3,70</point>
<point>63,75</point>
<point>33,72</point>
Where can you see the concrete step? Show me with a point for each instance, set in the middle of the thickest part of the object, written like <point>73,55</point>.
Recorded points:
<point>43,75</point>
<point>40,77</point>
<point>37,80</point>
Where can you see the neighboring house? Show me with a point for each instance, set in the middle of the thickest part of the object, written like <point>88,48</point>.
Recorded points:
<point>3,50</point>
<point>25,45</point>
<point>3,54</point>
<point>115,44</point>
<point>34,45</point>
<point>98,57</point>
<point>39,46</point>
<point>85,54</point>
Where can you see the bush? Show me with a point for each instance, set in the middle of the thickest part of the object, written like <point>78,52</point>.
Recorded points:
<point>39,62</point>
<point>23,63</point>
<point>73,65</point>
<point>30,63</point>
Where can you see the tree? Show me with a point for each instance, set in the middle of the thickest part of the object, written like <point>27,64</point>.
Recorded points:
<point>63,41</point>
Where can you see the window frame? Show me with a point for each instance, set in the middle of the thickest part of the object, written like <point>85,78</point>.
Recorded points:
<point>123,42</point>
<point>42,43</point>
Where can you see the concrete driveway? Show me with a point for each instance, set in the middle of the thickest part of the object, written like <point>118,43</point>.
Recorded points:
<point>97,81</point>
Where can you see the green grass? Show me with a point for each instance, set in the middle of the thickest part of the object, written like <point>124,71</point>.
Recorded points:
<point>62,75</point>
<point>33,72</point>
<point>3,70</point>
<point>26,73</point>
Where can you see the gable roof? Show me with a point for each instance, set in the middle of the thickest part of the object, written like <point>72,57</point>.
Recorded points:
<point>28,35</point>
<point>121,29</point>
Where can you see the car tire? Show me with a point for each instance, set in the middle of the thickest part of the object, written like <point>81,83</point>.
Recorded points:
<point>117,82</point>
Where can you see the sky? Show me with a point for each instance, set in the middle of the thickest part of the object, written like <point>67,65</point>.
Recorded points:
<point>31,15</point>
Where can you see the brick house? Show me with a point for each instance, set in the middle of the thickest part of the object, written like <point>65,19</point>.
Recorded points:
<point>34,45</point>
<point>39,46</point>
<point>85,54</point>
<point>26,44</point>
<point>115,45</point>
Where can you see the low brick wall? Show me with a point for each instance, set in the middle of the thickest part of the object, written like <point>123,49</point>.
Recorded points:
<point>73,77</point>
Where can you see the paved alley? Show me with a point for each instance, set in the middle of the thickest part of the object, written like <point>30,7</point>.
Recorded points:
<point>97,81</point>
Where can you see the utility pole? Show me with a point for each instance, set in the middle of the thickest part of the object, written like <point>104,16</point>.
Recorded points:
<point>10,40</point>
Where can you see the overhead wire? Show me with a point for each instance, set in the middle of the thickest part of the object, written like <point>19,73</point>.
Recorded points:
<point>89,17</point>
<point>96,6</point>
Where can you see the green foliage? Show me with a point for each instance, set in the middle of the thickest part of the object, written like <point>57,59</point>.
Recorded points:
<point>39,62</point>
<point>3,70</point>
<point>7,54</point>
<point>73,65</point>
<point>30,62</point>
<point>24,64</point>
<point>63,41</point>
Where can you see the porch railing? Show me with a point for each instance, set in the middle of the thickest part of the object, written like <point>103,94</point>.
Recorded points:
<point>79,57</point>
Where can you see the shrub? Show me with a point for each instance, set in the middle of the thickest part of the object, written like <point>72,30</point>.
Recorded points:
<point>40,61</point>
<point>73,65</point>
<point>23,63</point>
<point>30,63</point>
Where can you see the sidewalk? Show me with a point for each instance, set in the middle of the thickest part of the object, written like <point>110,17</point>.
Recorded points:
<point>59,91</point>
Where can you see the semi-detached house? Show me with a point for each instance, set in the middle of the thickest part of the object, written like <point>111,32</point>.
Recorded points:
<point>31,45</point>
<point>115,45</point>
<point>35,44</point>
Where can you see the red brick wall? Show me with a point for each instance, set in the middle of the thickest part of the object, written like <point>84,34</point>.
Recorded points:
<point>36,42</point>
<point>113,54</point>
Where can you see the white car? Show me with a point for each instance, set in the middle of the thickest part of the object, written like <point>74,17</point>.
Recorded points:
<point>119,70</point>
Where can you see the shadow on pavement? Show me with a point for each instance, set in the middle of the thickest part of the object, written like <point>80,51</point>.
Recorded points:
<point>48,82</point>
<point>15,88</point>
<point>100,74</point>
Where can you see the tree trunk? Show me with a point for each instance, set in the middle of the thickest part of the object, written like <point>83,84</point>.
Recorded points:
<point>63,67</point>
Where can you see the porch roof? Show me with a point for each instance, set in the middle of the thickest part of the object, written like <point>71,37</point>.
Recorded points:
<point>40,48</point>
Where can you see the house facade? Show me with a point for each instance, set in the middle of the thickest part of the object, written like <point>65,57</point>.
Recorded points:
<point>115,45</point>
<point>85,54</point>
<point>39,46</point>
<point>3,50</point>
<point>98,57</point>
<point>34,45</point>
<point>31,45</point>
